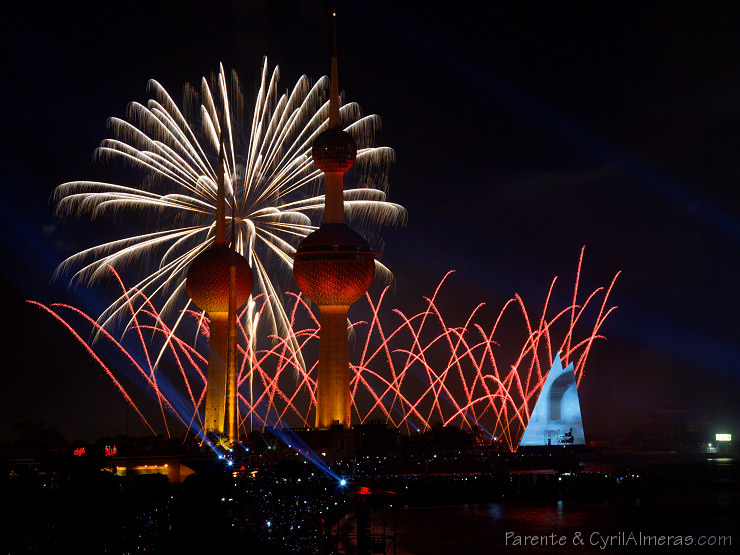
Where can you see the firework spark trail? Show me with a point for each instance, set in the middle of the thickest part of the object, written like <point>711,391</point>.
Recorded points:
<point>95,357</point>
<point>400,376</point>
<point>271,185</point>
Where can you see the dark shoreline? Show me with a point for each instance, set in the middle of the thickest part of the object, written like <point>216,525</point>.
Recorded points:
<point>290,507</point>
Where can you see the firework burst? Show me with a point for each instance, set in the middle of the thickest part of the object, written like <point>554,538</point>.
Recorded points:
<point>271,187</point>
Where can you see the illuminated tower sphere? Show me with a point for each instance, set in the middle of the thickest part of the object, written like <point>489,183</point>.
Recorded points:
<point>219,281</point>
<point>208,279</point>
<point>333,267</point>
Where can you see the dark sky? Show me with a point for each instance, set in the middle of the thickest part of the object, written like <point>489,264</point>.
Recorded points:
<point>522,133</point>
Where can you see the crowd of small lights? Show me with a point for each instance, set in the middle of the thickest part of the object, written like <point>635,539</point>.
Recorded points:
<point>411,374</point>
<point>285,504</point>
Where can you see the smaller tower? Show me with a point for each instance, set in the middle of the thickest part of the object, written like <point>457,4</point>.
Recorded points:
<point>219,281</point>
<point>333,266</point>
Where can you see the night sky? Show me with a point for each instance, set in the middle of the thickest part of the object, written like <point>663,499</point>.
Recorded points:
<point>522,133</point>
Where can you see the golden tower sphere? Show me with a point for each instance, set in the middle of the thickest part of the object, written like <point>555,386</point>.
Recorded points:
<point>334,266</point>
<point>208,279</point>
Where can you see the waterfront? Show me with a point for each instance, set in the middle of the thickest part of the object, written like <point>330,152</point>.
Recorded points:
<point>681,499</point>
<point>456,502</point>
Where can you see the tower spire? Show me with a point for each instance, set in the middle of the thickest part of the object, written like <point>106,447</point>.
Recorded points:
<point>232,400</point>
<point>334,151</point>
<point>221,195</point>
<point>334,79</point>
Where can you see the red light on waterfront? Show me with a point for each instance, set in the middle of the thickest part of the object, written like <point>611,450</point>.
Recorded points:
<point>110,451</point>
<point>79,451</point>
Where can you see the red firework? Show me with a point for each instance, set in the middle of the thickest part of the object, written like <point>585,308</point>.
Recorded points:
<point>418,371</point>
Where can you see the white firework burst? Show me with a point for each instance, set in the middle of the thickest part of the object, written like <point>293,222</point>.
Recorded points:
<point>272,186</point>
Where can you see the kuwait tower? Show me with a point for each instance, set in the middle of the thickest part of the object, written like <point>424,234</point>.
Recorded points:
<point>219,281</point>
<point>333,267</point>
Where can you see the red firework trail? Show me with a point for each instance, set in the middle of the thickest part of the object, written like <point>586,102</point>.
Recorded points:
<point>419,371</point>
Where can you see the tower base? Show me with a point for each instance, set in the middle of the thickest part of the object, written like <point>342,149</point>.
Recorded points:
<point>374,438</point>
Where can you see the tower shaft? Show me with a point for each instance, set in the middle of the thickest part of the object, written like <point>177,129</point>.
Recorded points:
<point>332,385</point>
<point>232,399</point>
<point>217,368</point>
<point>334,198</point>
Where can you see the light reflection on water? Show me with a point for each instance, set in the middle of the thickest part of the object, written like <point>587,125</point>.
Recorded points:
<point>482,529</point>
<point>697,500</point>
<point>473,529</point>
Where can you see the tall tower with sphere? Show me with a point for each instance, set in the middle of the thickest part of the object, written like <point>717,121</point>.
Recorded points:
<point>219,281</point>
<point>333,266</point>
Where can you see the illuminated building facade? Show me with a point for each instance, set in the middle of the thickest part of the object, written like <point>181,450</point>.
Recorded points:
<point>556,418</point>
<point>219,281</point>
<point>333,267</point>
